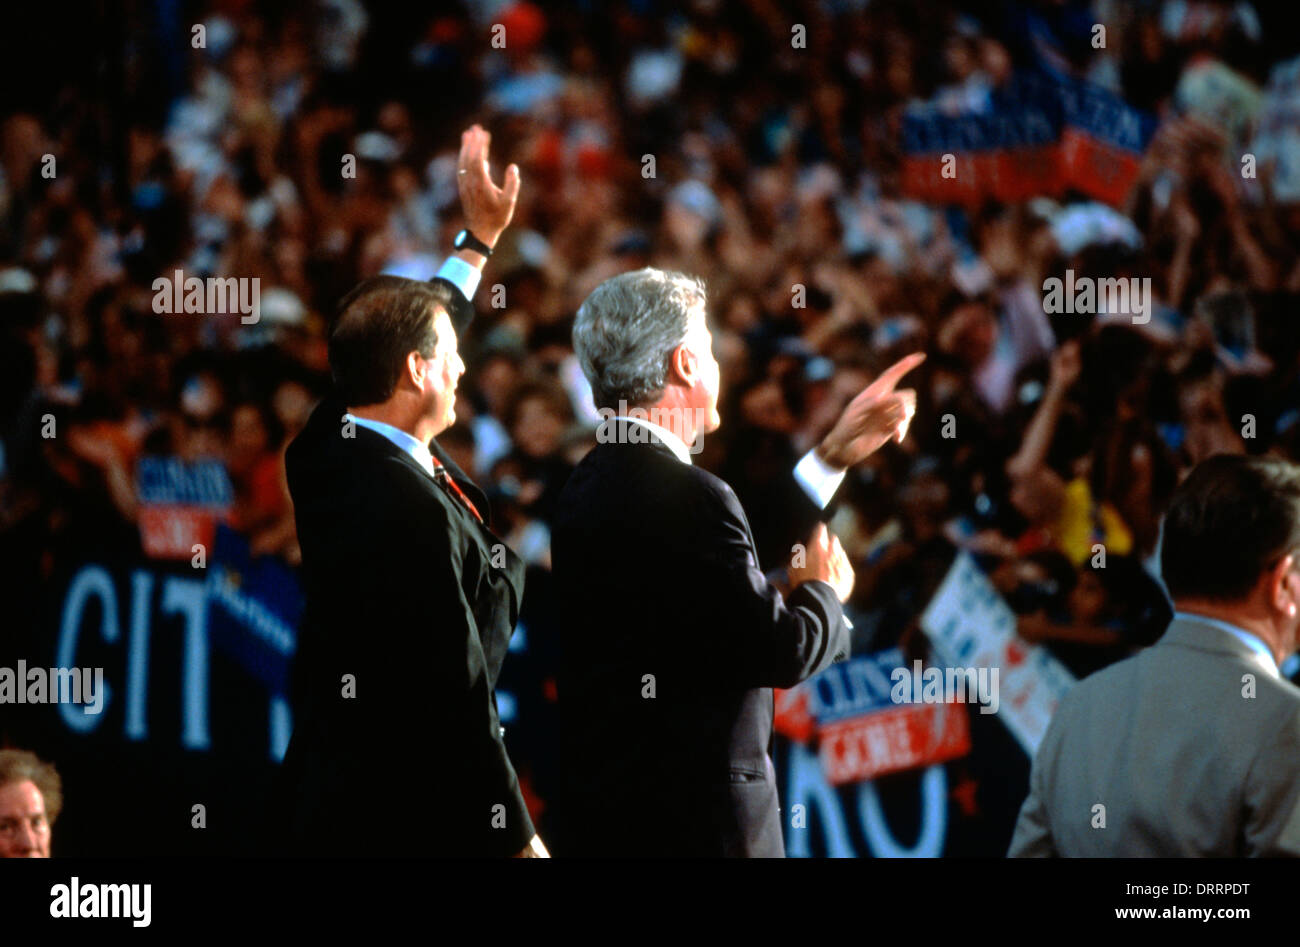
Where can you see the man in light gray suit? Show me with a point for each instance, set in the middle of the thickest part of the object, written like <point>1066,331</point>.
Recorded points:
<point>1192,747</point>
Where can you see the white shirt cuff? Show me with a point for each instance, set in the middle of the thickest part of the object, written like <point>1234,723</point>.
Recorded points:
<point>817,479</point>
<point>464,276</point>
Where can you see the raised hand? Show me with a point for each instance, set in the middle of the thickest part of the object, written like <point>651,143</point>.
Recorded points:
<point>875,416</point>
<point>1066,365</point>
<point>488,208</point>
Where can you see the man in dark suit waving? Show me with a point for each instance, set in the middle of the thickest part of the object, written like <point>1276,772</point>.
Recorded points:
<point>675,636</point>
<point>411,599</point>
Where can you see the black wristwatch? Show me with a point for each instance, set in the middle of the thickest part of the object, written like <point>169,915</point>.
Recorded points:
<point>467,241</point>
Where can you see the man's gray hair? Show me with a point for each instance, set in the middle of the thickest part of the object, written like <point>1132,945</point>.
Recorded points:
<point>626,330</point>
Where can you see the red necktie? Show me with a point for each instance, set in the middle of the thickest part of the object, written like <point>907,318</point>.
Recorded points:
<point>441,475</point>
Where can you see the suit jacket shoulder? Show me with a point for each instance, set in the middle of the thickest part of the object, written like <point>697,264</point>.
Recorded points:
<point>1189,748</point>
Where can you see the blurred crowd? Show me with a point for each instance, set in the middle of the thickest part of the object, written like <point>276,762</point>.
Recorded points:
<point>696,135</point>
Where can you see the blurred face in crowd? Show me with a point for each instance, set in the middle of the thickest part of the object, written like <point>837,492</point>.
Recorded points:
<point>1037,497</point>
<point>24,828</point>
<point>898,72</point>
<point>200,436</point>
<point>944,385</point>
<point>292,404</point>
<point>200,433</point>
<point>978,333</point>
<point>1088,597</point>
<point>248,436</point>
<point>994,60</point>
<point>743,314</point>
<point>925,502</point>
<point>764,406</point>
<point>957,57</point>
<point>537,429</point>
<point>495,379</point>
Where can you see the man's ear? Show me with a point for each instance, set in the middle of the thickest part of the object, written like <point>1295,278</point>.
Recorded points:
<point>415,368</point>
<point>1282,591</point>
<point>683,366</point>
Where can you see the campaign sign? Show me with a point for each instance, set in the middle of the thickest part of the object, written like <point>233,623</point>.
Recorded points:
<point>861,731</point>
<point>181,503</point>
<point>254,605</point>
<point>1009,153</point>
<point>1043,135</point>
<point>890,741</point>
<point>971,626</point>
<point>929,174</point>
<point>1102,141</point>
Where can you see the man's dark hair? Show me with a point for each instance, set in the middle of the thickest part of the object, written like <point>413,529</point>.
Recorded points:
<point>379,323</point>
<point>1232,519</point>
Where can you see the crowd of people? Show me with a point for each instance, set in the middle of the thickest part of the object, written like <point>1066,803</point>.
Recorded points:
<point>752,143</point>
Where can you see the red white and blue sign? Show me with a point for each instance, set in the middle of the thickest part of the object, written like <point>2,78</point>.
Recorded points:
<point>860,730</point>
<point>1043,136</point>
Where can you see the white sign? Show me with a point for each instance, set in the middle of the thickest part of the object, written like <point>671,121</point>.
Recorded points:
<point>971,626</point>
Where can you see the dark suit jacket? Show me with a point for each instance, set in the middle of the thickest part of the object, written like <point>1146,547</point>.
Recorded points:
<point>402,593</point>
<point>656,563</point>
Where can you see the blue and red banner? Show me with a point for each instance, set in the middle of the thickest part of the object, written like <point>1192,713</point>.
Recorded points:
<point>860,730</point>
<point>181,503</point>
<point>1043,136</point>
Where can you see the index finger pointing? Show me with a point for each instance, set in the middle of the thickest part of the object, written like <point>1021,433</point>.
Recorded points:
<point>894,373</point>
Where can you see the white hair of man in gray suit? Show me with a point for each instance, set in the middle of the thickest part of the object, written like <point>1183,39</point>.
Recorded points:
<point>1192,746</point>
